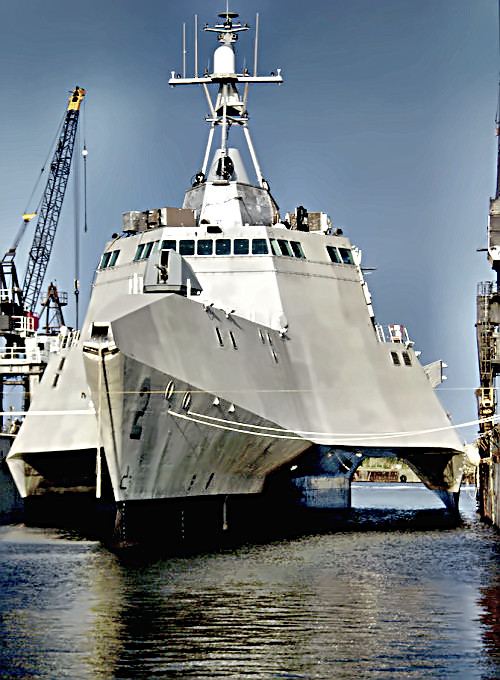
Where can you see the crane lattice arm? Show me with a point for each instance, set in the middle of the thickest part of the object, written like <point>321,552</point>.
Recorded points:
<point>51,204</point>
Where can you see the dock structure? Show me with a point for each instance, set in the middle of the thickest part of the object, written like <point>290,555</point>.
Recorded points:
<point>23,369</point>
<point>488,332</point>
<point>488,346</point>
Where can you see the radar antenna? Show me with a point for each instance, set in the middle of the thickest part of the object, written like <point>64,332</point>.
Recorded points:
<point>229,108</point>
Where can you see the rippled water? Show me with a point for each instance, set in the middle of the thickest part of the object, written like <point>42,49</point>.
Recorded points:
<point>394,593</point>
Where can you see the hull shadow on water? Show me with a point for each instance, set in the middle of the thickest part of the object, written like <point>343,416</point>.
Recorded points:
<point>265,524</point>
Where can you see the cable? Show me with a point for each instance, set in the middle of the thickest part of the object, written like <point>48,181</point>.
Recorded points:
<point>354,438</point>
<point>49,155</point>
<point>84,154</point>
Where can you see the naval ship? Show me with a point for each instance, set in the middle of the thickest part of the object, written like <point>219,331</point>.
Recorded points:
<point>229,353</point>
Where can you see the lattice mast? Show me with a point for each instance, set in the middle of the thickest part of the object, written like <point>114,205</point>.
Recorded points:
<point>229,108</point>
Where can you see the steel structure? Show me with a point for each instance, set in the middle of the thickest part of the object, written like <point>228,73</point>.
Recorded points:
<point>51,205</point>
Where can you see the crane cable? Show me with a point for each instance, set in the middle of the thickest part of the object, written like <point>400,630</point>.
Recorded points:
<point>76,227</point>
<point>22,229</point>
<point>497,117</point>
<point>84,154</point>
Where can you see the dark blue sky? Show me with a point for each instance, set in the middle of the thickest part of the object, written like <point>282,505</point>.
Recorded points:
<point>385,121</point>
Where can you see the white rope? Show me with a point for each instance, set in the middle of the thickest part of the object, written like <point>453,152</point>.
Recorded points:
<point>232,429</point>
<point>352,438</point>
<point>260,430</point>
<point>82,412</point>
<point>344,434</point>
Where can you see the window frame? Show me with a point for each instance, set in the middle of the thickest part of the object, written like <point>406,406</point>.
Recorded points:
<point>333,254</point>
<point>105,260</point>
<point>226,241</point>
<point>347,258</point>
<point>182,246</point>
<point>241,243</point>
<point>206,242</point>
<point>263,244</point>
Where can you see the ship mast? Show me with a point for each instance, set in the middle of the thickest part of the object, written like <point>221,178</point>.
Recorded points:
<point>229,108</point>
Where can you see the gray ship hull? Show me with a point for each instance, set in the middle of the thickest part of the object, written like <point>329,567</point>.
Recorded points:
<point>229,354</point>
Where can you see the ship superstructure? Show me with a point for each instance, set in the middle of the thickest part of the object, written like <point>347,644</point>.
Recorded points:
<point>228,349</point>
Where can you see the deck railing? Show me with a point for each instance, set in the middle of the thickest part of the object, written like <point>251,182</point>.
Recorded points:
<point>393,332</point>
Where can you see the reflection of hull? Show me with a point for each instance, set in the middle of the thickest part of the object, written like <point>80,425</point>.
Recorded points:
<point>489,488</point>
<point>10,501</point>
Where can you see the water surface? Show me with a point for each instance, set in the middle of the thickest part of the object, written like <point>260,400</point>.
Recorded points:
<point>397,591</point>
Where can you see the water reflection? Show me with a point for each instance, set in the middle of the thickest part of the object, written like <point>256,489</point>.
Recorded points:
<point>381,604</point>
<point>489,606</point>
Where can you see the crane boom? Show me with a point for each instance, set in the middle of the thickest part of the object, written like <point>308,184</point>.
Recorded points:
<point>51,204</point>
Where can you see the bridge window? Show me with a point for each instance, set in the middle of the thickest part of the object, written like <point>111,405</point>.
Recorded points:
<point>222,246</point>
<point>148,249</point>
<point>105,260</point>
<point>186,247</point>
<point>205,246</point>
<point>114,257</point>
<point>346,256</point>
<point>144,250</point>
<point>285,248</point>
<point>275,247</point>
<point>241,246</point>
<point>259,246</point>
<point>297,249</point>
<point>169,244</point>
<point>333,254</point>
<point>139,251</point>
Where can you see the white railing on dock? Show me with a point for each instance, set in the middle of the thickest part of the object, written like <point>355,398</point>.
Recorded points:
<point>37,349</point>
<point>21,354</point>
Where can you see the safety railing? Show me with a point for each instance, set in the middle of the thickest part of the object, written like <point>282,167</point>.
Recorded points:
<point>393,332</point>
